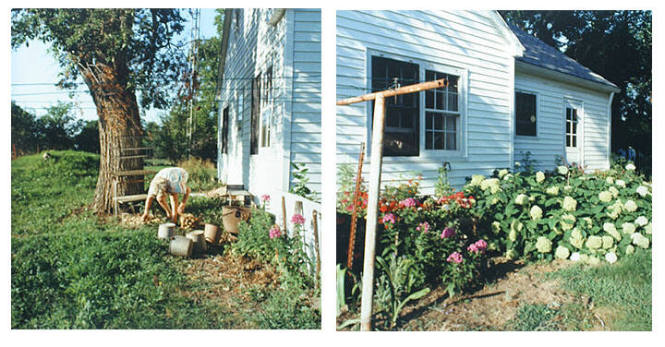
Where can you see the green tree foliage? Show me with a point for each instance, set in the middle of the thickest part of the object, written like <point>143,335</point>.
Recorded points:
<point>24,130</point>
<point>170,138</point>
<point>88,138</point>
<point>59,126</point>
<point>118,53</point>
<point>614,44</point>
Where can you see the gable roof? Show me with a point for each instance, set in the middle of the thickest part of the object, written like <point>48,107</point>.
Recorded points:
<point>540,54</point>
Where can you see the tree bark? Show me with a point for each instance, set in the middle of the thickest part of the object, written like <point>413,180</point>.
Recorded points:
<point>119,129</point>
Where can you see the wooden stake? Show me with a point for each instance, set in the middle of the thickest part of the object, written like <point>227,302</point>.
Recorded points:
<point>284,213</point>
<point>316,246</point>
<point>354,214</point>
<point>372,213</point>
<point>419,87</point>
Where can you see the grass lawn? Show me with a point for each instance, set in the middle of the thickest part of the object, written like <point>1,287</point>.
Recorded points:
<point>71,269</point>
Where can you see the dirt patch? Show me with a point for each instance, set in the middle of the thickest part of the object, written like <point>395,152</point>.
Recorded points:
<point>492,306</point>
<point>510,285</point>
<point>234,283</point>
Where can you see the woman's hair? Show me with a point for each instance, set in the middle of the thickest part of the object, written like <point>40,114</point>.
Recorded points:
<point>160,186</point>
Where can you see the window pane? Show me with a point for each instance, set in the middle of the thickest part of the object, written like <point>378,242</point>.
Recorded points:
<point>525,114</point>
<point>451,123</point>
<point>429,99</point>
<point>428,140</point>
<point>452,102</point>
<point>451,144</point>
<point>574,128</point>
<point>440,103</point>
<point>401,136</point>
<point>574,141</point>
<point>567,127</point>
<point>438,140</point>
<point>429,120</point>
<point>438,122</point>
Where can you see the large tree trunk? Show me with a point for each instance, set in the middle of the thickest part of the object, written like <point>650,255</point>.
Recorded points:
<point>119,130</point>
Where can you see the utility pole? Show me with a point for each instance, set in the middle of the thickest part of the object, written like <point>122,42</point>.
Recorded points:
<point>194,51</point>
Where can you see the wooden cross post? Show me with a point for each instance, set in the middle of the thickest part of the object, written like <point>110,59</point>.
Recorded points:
<point>376,159</point>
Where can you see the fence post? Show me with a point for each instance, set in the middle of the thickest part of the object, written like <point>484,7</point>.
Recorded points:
<point>372,213</point>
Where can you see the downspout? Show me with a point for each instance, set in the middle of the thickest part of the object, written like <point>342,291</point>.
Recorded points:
<point>609,131</point>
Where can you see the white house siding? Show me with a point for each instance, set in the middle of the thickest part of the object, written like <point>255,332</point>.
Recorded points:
<point>468,41</point>
<point>305,137</point>
<point>549,142</point>
<point>233,168</point>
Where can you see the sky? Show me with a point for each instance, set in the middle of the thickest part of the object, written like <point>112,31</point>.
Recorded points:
<point>34,72</point>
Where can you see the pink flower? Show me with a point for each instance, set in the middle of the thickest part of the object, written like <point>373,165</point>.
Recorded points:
<point>275,232</point>
<point>481,244</point>
<point>456,257</point>
<point>409,202</point>
<point>448,232</point>
<point>265,198</point>
<point>298,219</point>
<point>478,246</point>
<point>424,227</point>
<point>389,218</point>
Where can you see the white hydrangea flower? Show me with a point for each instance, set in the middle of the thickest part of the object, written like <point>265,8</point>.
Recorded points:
<point>639,240</point>
<point>575,256</point>
<point>517,163</point>
<point>614,191</point>
<point>630,206</point>
<point>492,184</point>
<point>611,257</point>
<point>620,183</point>
<point>630,249</point>
<point>641,221</point>
<point>609,180</point>
<point>605,196</point>
<point>567,188</point>
<point>569,204</point>
<point>540,177</point>
<point>591,260</point>
<point>611,229</point>
<point>554,190</point>
<point>503,172</point>
<point>562,252</point>
<point>563,170</point>
<point>608,242</point>
<point>476,180</point>
<point>628,228</point>
<point>521,199</point>
<point>507,177</point>
<point>630,167</point>
<point>642,190</point>
<point>594,242</point>
<point>543,244</point>
<point>496,227</point>
<point>536,212</point>
<point>647,228</point>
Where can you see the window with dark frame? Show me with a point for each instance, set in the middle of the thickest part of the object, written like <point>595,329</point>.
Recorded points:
<point>571,127</point>
<point>266,105</point>
<point>255,116</point>
<point>525,114</point>
<point>442,113</point>
<point>225,130</point>
<point>401,134</point>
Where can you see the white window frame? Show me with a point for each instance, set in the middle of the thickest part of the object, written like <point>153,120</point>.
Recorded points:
<point>423,65</point>
<point>537,95</point>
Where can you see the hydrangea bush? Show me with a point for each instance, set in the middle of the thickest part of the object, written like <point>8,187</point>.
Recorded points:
<point>564,214</point>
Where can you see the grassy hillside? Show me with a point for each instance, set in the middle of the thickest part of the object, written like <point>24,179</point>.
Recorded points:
<point>71,270</point>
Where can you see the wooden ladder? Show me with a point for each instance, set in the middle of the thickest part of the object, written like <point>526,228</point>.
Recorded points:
<point>139,152</point>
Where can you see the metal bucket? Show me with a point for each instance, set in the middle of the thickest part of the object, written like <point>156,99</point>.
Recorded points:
<point>166,231</point>
<point>211,233</point>
<point>181,246</point>
<point>200,245</point>
<point>232,216</point>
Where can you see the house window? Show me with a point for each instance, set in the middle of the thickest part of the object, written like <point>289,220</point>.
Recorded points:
<point>571,127</point>
<point>442,113</point>
<point>254,120</point>
<point>401,134</point>
<point>266,105</point>
<point>225,131</point>
<point>525,114</point>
